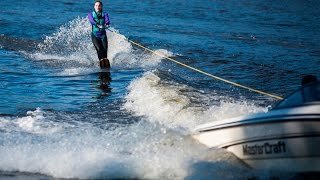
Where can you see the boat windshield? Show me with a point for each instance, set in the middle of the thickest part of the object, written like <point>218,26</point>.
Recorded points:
<point>306,94</point>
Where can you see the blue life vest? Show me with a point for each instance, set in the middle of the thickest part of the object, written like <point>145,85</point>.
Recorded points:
<point>99,18</point>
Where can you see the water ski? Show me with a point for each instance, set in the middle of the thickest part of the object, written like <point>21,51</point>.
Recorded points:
<point>104,63</point>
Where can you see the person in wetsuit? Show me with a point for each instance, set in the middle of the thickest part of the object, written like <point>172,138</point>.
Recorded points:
<point>100,21</point>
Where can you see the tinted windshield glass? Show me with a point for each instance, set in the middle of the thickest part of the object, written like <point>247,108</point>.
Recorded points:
<point>305,94</point>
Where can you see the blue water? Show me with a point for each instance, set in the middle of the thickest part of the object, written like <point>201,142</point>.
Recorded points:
<point>61,117</point>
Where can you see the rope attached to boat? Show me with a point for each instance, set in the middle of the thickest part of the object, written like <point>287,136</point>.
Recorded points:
<point>197,70</point>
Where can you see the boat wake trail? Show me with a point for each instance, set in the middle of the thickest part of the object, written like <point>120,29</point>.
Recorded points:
<point>181,107</point>
<point>17,44</point>
<point>60,145</point>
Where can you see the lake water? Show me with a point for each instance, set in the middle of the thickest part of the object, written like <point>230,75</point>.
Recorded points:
<point>61,117</point>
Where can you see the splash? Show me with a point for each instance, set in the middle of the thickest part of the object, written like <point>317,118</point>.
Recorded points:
<point>66,148</point>
<point>71,42</point>
<point>71,47</point>
<point>32,123</point>
<point>171,104</point>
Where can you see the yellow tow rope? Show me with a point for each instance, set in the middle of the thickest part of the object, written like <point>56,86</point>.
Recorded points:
<point>197,70</point>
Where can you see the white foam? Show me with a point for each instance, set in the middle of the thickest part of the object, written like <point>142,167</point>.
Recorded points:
<point>165,104</point>
<point>71,42</point>
<point>32,123</point>
<point>71,46</point>
<point>80,150</point>
<point>123,54</point>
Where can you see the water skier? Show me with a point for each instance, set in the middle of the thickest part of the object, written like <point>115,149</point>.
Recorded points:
<point>100,21</point>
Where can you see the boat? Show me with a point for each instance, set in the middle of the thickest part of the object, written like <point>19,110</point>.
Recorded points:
<point>286,138</point>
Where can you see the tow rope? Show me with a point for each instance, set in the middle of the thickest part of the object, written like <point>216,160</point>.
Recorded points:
<point>195,69</point>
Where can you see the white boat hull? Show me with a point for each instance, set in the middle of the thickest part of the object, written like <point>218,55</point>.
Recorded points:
<point>299,154</point>
<point>274,142</point>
